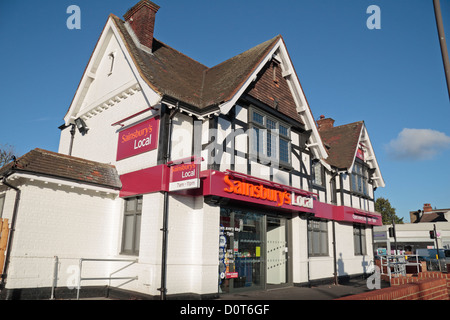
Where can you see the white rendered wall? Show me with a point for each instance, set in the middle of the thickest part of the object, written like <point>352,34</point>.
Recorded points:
<point>314,268</point>
<point>110,97</point>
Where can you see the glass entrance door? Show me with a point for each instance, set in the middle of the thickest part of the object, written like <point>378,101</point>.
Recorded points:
<point>253,250</point>
<point>276,251</point>
<point>240,251</point>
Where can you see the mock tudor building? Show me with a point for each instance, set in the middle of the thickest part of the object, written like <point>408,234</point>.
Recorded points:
<point>184,180</point>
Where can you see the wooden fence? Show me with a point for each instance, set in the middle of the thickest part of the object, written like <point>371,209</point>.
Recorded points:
<point>4,233</point>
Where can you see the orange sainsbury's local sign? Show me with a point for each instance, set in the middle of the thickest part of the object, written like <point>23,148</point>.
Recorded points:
<point>264,193</point>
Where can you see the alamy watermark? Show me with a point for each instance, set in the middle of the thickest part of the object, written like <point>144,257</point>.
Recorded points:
<point>374,281</point>
<point>374,20</point>
<point>73,279</point>
<point>74,20</point>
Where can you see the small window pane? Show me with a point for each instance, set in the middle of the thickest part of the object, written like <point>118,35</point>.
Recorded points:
<point>128,236</point>
<point>130,205</point>
<point>271,145</point>
<point>271,124</point>
<point>137,236</point>
<point>283,130</point>
<point>323,242</point>
<point>284,150</point>
<point>257,139</point>
<point>258,118</point>
<point>317,173</point>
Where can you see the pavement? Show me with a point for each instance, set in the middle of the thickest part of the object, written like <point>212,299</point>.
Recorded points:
<point>319,292</point>
<point>293,293</point>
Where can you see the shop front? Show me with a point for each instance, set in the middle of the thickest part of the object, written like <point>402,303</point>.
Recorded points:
<point>258,220</point>
<point>256,246</point>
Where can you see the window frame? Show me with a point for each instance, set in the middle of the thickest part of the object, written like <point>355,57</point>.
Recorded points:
<point>136,213</point>
<point>317,229</point>
<point>359,182</point>
<point>314,163</point>
<point>264,132</point>
<point>359,240</point>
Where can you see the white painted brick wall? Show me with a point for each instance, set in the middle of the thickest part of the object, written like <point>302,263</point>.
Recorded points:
<point>58,221</point>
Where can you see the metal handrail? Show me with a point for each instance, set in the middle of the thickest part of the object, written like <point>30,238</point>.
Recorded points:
<point>105,278</point>
<point>398,263</point>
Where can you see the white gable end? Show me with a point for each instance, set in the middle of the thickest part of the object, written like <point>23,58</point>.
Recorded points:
<point>110,77</point>
<point>369,157</point>
<point>112,73</point>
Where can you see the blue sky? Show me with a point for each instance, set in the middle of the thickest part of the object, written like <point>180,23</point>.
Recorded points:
<point>392,78</point>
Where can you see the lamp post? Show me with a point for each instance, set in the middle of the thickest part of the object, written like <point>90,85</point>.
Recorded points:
<point>444,52</point>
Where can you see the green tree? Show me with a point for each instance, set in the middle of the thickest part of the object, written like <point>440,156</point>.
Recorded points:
<point>384,207</point>
<point>6,154</point>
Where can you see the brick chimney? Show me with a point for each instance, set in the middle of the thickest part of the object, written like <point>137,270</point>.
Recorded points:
<point>325,123</point>
<point>427,208</point>
<point>141,18</point>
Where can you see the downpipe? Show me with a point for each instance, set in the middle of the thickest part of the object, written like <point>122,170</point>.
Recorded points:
<point>165,228</point>
<point>11,234</point>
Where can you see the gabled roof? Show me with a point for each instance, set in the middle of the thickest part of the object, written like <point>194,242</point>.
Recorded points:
<point>343,142</point>
<point>56,165</point>
<point>172,73</point>
<point>434,216</point>
<point>165,74</point>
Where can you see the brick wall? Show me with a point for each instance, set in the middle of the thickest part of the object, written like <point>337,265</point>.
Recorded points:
<point>425,286</point>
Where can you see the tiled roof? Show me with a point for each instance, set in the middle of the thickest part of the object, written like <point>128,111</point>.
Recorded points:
<point>342,142</point>
<point>223,80</point>
<point>51,164</point>
<point>433,216</point>
<point>175,75</point>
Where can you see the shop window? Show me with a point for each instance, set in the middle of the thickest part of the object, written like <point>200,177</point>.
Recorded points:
<point>359,179</point>
<point>317,238</point>
<point>269,138</point>
<point>2,202</point>
<point>132,226</point>
<point>359,239</point>
<point>318,174</point>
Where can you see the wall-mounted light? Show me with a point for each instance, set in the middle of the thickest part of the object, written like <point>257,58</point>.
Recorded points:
<point>81,125</point>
